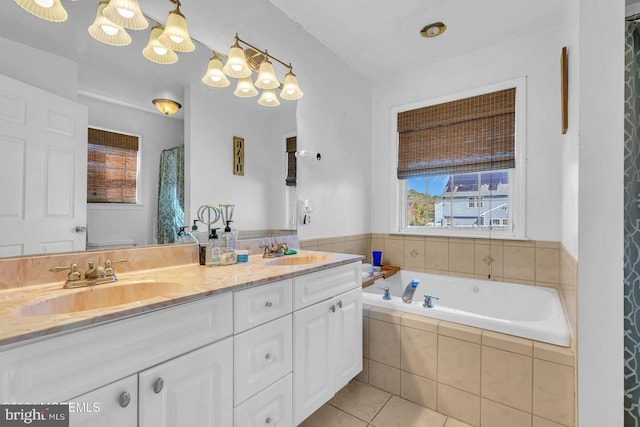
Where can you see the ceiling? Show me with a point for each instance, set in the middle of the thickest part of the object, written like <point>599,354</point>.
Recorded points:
<point>380,38</point>
<point>377,38</point>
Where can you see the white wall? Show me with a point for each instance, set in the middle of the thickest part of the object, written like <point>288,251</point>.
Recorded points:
<point>537,57</point>
<point>214,118</point>
<point>600,211</point>
<point>157,132</point>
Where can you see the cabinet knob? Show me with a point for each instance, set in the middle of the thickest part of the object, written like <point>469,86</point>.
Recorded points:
<point>340,304</point>
<point>268,356</point>
<point>268,304</point>
<point>158,384</point>
<point>268,420</point>
<point>333,308</point>
<point>124,399</point>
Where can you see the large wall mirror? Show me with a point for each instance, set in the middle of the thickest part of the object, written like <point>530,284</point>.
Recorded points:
<point>116,86</point>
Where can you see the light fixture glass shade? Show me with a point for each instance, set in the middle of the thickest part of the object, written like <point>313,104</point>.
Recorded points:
<point>236,65</point>
<point>290,90</point>
<point>49,10</point>
<point>176,34</point>
<point>166,106</point>
<point>245,88</point>
<point>155,51</point>
<point>267,76</point>
<point>269,98</point>
<point>215,76</point>
<point>106,31</point>
<point>126,13</point>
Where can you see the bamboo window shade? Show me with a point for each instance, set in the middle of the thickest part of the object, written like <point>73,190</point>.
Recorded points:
<point>112,167</point>
<point>468,135</point>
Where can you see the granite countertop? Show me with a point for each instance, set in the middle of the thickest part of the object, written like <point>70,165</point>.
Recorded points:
<point>24,316</point>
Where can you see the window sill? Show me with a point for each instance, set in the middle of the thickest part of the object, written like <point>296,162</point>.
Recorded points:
<point>114,206</point>
<point>489,234</point>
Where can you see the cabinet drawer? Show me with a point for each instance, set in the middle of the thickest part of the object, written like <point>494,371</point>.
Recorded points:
<point>255,306</point>
<point>262,355</point>
<point>320,285</point>
<point>271,407</point>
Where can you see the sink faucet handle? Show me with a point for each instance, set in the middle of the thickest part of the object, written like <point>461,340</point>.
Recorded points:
<point>108,267</point>
<point>428,300</point>
<point>74,271</point>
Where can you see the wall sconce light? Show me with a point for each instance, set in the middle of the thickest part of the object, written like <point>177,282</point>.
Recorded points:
<point>166,106</point>
<point>49,10</point>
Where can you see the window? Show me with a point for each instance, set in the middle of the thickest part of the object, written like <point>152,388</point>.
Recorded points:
<point>460,164</point>
<point>112,169</point>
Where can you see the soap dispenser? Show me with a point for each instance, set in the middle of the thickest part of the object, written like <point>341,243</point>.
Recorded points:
<point>228,246</point>
<point>214,242</point>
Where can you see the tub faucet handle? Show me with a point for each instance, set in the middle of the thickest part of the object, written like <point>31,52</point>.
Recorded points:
<point>387,295</point>
<point>428,300</point>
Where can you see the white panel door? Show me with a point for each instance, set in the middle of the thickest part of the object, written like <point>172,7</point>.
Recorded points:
<point>193,390</point>
<point>312,360</point>
<point>115,404</point>
<point>43,171</point>
<point>348,337</point>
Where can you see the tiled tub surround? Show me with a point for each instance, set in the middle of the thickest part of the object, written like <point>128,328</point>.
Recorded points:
<point>480,377</point>
<point>533,312</point>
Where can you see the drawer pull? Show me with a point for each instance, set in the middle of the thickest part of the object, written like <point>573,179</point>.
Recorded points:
<point>268,420</point>
<point>340,304</point>
<point>158,384</point>
<point>124,399</point>
<point>268,304</point>
<point>268,356</point>
<point>333,308</point>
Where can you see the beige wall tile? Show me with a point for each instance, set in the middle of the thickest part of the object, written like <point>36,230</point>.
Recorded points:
<point>462,257</point>
<point>507,342</point>
<point>507,378</point>
<point>399,412</point>
<point>340,247</point>
<point>519,262</point>
<point>547,244</point>
<point>325,247</point>
<point>548,265</point>
<point>465,275</point>
<point>520,243</point>
<point>461,332</point>
<point>419,352</point>
<point>495,415</point>
<point>553,391</point>
<point>363,376</point>
<point>489,259</point>
<point>451,422</point>
<point>541,422</point>
<point>384,342</point>
<point>414,253</point>
<point>393,251</point>
<point>459,404</point>
<point>553,353</point>
<point>437,254</point>
<point>459,364</point>
<point>384,377</point>
<point>419,390</point>
<point>423,323</point>
<point>365,337</point>
<point>385,314</point>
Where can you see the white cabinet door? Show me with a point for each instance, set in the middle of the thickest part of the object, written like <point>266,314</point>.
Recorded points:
<point>348,337</point>
<point>115,404</point>
<point>312,360</point>
<point>193,390</point>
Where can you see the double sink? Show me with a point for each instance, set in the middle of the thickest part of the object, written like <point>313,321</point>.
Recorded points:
<point>130,291</point>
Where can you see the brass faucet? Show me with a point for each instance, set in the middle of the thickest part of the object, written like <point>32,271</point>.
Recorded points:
<point>93,276</point>
<point>276,250</point>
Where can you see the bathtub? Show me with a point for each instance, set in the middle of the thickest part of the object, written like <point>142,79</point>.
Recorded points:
<point>526,311</point>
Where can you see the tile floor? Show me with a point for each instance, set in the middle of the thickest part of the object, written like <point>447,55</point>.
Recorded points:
<point>361,405</point>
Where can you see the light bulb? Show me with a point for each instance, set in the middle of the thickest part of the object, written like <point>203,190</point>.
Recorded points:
<point>109,29</point>
<point>126,13</point>
<point>45,3</point>
<point>236,67</point>
<point>291,91</point>
<point>160,50</point>
<point>176,39</point>
<point>215,77</point>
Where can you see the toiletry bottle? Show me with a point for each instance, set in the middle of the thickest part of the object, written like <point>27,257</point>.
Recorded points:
<point>215,247</point>
<point>182,236</point>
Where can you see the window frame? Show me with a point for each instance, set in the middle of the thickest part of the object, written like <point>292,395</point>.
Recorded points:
<point>517,196</point>
<point>139,184</point>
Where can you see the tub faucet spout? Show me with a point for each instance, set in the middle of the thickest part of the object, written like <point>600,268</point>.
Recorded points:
<point>409,290</point>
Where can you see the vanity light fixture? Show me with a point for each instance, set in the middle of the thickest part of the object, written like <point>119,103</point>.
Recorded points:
<point>267,75</point>
<point>236,65</point>
<point>269,98</point>
<point>215,76</point>
<point>245,88</point>
<point>126,13</point>
<point>290,90</point>
<point>156,51</point>
<point>166,106</point>
<point>49,10</point>
<point>176,34</point>
<point>106,31</point>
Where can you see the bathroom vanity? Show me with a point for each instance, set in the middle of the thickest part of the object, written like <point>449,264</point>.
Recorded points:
<point>247,345</point>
